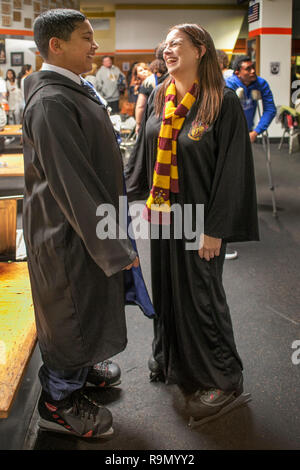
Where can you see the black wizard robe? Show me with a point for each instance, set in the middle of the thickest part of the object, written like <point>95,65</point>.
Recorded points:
<point>193,338</point>
<point>73,166</point>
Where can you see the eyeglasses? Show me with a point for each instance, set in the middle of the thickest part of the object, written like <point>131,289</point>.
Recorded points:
<point>249,68</point>
<point>171,44</point>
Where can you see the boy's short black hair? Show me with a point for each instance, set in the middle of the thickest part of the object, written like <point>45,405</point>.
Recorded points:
<point>59,23</point>
<point>238,62</point>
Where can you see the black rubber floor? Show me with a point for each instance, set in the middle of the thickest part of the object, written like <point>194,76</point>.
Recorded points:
<point>262,287</point>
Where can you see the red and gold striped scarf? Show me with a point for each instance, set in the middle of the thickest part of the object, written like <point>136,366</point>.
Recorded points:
<point>165,177</point>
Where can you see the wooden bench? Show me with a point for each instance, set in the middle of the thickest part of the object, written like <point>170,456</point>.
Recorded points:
<point>17,330</point>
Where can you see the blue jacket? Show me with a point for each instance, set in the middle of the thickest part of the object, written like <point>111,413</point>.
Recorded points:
<point>249,105</point>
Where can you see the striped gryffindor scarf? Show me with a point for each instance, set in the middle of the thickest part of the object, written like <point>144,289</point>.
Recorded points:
<point>165,177</point>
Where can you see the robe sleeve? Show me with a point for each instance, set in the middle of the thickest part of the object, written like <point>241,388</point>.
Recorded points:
<point>232,207</point>
<point>269,108</point>
<point>62,150</point>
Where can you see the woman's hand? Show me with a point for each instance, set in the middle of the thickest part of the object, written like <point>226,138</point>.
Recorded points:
<point>210,247</point>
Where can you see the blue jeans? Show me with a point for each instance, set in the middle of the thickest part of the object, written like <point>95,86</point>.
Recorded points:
<point>61,383</point>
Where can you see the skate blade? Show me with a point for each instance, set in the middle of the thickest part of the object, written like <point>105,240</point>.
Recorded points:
<point>45,425</point>
<point>239,401</point>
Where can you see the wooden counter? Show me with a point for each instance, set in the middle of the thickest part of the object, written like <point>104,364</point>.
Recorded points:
<point>17,330</point>
<point>14,164</point>
<point>11,130</point>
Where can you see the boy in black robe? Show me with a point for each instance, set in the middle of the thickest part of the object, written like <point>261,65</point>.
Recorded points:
<point>72,166</point>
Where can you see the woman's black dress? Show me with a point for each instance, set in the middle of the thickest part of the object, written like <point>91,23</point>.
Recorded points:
<point>193,336</point>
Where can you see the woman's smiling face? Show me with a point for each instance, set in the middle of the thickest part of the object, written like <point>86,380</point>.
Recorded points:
<point>180,55</point>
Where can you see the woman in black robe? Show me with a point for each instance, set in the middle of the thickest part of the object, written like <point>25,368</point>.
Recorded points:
<point>194,344</point>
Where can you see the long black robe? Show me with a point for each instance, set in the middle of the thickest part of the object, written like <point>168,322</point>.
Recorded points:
<point>72,165</point>
<point>193,337</point>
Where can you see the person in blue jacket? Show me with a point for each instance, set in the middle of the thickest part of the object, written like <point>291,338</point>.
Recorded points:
<point>245,77</point>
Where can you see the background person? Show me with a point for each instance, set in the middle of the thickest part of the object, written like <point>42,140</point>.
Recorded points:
<point>139,74</point>
<point>107,79</point>
<point>14,95</point>
<point>224,63</point>
<point>159,73</point>
<point>91,75</point>
<point>194,148</point>
<point>25,71</point>
<point>245,77</point>
<point>2,86</point>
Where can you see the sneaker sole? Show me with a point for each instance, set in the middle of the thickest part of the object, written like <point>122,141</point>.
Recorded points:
<point>114,384</point>
<point>45,425</point>
<point>239,401</point>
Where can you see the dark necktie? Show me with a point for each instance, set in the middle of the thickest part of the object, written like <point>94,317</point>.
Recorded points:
<point>90,89</point>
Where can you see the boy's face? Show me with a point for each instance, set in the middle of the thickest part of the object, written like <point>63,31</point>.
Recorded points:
<point>247,73</point>
<point>79,51</point>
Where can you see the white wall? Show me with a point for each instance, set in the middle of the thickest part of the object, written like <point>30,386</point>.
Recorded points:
<point>273,13</point>
<point>277,49</point>
<point>144,29</point>
<point>19,45</point>
<point>277,13</point>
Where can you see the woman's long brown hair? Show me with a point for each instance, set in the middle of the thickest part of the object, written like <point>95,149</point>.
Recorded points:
<point>211,81</point>
<point>135,79</point>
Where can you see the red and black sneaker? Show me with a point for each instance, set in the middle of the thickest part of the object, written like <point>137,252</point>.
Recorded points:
<point>75,415</point>
<point>104,374</point>
<point>207,405</point>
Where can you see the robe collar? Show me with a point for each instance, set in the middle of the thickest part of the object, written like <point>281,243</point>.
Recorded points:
<point>61,71</point>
